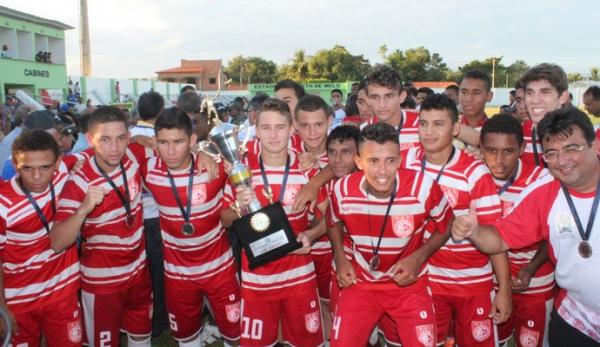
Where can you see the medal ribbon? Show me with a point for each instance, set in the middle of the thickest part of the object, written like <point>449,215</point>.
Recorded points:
<point>37,208</point>
<point>585,235</point>
<point>188,208</point>
<point>126,202</point>
<point>385,218</point>
<point>283,182</point>
<point>439,175</point>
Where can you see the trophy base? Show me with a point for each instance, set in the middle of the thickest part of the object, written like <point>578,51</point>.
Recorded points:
<point>266,235</point>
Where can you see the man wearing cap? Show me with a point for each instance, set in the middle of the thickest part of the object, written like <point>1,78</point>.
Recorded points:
<point>59,127</point>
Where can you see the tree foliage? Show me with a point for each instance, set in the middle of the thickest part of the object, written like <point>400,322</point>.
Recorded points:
<point>417,64</point>
<point>251,70</point>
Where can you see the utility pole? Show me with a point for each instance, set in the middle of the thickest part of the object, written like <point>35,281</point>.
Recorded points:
<point>493,72</point>
<point>84,39</point>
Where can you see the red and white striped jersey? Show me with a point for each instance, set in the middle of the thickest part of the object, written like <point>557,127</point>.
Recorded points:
<point>542,282</point>
<point>528,156</point>
<point>291,274</point>
<point>409,134</point>
<point>34,275</point>
<point>190,261</point>
<point>112,255</point>
<point>480,122</point>
<point>418,200</point>
<point>542,213</point>
<point>459,268</point>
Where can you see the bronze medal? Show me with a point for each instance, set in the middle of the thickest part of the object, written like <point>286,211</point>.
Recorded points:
<point>585,249</point>
<point>374,263</point>
<point>187,229</point>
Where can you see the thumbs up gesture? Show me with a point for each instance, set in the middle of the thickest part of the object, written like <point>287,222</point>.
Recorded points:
<point>464,226</point>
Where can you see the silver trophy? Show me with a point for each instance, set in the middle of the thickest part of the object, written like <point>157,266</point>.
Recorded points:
<point>223,143</point>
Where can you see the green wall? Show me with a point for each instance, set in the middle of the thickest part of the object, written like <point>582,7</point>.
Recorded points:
<point>321,89</point>
<point>30,27</point>
<point>50,76</point>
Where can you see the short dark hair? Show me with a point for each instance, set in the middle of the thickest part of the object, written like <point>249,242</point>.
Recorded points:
<point>289,84</point>
<point>344,133</point>
<point>380,133</point>
<point>519,85</point>
<point>409,102</point>
<point>35,141</point>
<point>257,101</point>
<point>187,88</point>
<point>441,102</point>
<point>453,87</point>
<point>83,122</point>
<point>106,114</point>
<point>312,103</point>
<point>189,102</point>
<point>560,122</point>
<point>336,91</point>
<point>502,124</point>
<point>150,104</point>
<point>425,90</point>
<point>513,92</point>
<point>479,75</point>
<point>351,109</point>
<point>552,73</point>
<point>594,91</point>
<point>275,105</point>
<point>385,76</point>
<point>174,118</point>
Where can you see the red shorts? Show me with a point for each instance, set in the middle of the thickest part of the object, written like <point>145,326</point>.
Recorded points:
<point>334,293</point>
<point>185,309</point>
<point>472,326</point>
<point>323,271</point>
<point>360,308</point>
<point>529,321</point>
<point>106,315</point>
<point>300,319</point>
<point>59,322</point>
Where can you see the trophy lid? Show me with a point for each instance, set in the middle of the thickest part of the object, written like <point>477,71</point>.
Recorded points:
<point>222,129</point>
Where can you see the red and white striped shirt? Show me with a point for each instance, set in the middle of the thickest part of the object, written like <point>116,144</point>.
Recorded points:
<point>542,282</point>
<point>113,255</point>
<point>409,134</point>
<point>418,200</point>
<point>459,268</point>
<point>528,156</point>
<point>190,261</point>
<point>34,275</point>
<point>292,274</point>
<point>541,213</point>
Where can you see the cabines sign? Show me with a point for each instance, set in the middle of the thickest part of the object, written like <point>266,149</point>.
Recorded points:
<point>37,73</point>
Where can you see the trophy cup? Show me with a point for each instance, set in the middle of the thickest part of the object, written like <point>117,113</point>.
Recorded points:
<point>265,233</point>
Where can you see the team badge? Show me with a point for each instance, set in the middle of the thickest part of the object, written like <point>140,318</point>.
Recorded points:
<point>451,195</point>
<point>403,226</point>
<point>233,312</point>
<point>481,330</point>
<point>563,223</point>
<point>312,322</point>
<point>198,194</point>
<point>528,337</point>
<point>74,331</point>
<point>426,335</point>
<point>290,194</point>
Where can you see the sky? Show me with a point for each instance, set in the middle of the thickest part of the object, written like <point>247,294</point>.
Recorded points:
<point>135,38</point>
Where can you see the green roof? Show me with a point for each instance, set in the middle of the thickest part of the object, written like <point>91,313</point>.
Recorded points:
<point>26,17</point>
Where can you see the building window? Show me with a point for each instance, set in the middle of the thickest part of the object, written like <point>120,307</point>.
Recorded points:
<point>212,80</point>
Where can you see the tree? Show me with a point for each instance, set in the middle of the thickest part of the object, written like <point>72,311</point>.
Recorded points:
<point>417,64</point>
<point>515,71</point>
<point>251,70</point>
<point>574,77</point>
<point>297,68</point>
<point>595,73</point>
<point>337,64</point>
<point>383,52</point>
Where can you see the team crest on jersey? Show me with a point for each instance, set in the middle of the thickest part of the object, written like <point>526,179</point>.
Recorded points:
<point>403,226</point>
<point>312,322</point>
<point>528,337</point>
<point>425,335</point>
<point>74,331</point>
<point>481,330</point>
<point>451,195</point>
<point>198,194</point>
<point>563,223</point>
<point>134,188</point>
<point>233,312</point>
<point>506,207</point>
<point>290,194</point>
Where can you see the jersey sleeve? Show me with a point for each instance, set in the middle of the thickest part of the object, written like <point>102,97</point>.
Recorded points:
<point>485,195</point>
<point>141,153</point>
<point>440,212</point>
<point>228,195</point>
<point>70,198</point>
<point>2,236</point>
<point>333,209</point>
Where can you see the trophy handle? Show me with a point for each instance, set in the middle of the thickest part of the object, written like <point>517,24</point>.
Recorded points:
<point>246,139</point>
<point>208,148</point>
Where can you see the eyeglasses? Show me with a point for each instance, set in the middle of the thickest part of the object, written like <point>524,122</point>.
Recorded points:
<point>568,151</point>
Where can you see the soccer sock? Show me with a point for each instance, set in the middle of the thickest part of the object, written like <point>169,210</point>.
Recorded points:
<point>197,342</point>
<point>140,343</point>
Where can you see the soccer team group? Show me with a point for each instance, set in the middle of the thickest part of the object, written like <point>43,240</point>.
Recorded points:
<point>419,226</point>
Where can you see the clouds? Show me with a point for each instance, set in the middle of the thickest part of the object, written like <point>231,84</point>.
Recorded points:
<point>134,38</point>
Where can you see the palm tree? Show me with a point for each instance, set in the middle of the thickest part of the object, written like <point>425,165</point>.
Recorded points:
<point>595,73</point>
<point>299,66</point>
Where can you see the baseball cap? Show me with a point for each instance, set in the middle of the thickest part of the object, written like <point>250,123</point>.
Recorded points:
<point>39,120</point>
